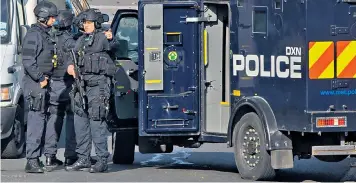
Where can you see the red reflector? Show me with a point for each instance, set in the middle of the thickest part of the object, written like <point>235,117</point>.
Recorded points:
<point>331,122</point>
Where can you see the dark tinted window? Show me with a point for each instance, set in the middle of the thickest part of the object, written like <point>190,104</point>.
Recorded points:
<point>240,2</point>
<point>259,21</point>
<point>127,30</point>
<point>277,4</point>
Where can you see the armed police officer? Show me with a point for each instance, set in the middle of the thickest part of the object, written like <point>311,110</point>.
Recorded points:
<point>37,55</point>
<point>60,86</point>
<point>60,101</point>
<point>95,68</point>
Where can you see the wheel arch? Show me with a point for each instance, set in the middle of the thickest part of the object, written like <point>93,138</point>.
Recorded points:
<point>261,107</point>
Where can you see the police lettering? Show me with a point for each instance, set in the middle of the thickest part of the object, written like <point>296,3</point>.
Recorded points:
<point>241,63</point>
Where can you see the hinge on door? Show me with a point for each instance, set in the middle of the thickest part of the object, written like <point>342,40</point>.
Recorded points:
<point>338,30</point>
<point>208,15</point>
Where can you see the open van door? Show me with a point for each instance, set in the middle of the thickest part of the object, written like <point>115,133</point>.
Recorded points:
<point>125,53</point>
<point>124,28</point>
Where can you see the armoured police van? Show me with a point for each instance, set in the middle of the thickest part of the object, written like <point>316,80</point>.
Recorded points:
<point>273,79</point>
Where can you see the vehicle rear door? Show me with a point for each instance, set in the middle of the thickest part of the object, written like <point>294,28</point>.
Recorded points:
<point>169,89</point>
<point>331,38</point>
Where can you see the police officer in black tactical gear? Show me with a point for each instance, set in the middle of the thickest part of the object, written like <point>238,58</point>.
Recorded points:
<point>37,56</point>
<point>60,86</point>
<point>97,69</point>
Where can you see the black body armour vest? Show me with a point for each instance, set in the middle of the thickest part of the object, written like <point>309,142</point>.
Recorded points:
<point>63,55</point>
<point>93,56</point>
<point>44,59</point>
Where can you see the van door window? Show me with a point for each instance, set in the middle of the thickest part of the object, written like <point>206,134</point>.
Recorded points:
<point>4,22</point>
<point>127,30</point>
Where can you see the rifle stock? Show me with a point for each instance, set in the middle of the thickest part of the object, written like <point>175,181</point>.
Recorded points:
<point>79,82</point>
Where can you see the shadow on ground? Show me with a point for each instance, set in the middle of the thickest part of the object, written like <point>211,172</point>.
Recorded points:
<point>311,169</point>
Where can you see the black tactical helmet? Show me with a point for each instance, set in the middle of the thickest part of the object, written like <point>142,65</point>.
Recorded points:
<point>45,9</point>
<point>93,15</point>
<point>64,18</point>
<point>78,20</point>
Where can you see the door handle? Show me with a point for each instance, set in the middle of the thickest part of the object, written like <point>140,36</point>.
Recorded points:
<point>153,26</point>
<point>170,107</point>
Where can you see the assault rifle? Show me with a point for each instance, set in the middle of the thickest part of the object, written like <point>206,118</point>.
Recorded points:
<point>79,85</point>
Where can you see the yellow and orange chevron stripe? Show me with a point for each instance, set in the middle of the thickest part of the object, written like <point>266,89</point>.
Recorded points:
<point>321,60</point>
<point>346,59</point>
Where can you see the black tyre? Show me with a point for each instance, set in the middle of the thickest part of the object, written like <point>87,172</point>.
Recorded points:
<point>14,146</point>
<point>252,159</point>
<point>124,147</point>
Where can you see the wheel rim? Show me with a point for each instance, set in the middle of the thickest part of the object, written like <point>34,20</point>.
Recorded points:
<point>251,146</point>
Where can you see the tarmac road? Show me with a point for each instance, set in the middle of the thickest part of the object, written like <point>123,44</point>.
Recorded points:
<point>211,162</point>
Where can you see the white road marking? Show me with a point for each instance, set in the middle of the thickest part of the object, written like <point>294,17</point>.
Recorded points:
<point>180,160</point>
<point>155,158</point>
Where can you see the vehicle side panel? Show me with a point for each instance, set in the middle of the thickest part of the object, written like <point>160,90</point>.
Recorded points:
<point>285,28</point>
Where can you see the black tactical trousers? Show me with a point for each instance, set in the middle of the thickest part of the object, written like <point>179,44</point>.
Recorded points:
<point>59,107</point>
<point>90,126</point>
<point>36,100</point>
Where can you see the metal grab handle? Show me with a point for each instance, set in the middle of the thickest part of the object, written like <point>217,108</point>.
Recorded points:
<point>153,26</point>
<point>347,1</point>
<point>170,107</point>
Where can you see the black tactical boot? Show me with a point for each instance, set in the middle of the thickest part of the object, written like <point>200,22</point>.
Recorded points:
<point>52,163</point>
<point>33,166</point>
<point>100,166</point>
<point>70,161</point>
<point>93,161</point>
<point>80,164</point>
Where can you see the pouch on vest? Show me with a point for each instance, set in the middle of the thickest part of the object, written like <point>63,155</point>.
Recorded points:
<point>87,64</point>
<point>110,68</point>
<point>81,61</point>
<point>95,64</point>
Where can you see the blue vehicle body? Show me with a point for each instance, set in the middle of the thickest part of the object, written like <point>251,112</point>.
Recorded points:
<point>204,67</point>
<point>294,102</point>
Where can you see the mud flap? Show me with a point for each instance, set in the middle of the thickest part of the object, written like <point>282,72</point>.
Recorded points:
<point>282,159</point>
